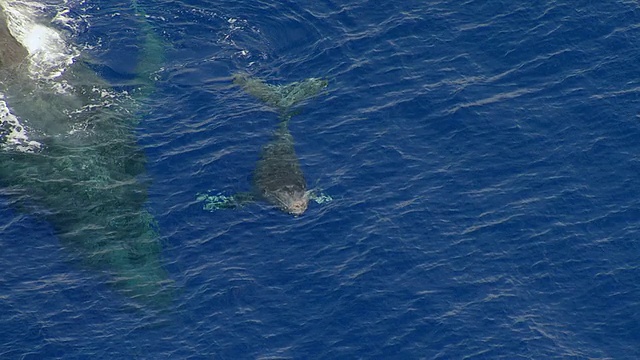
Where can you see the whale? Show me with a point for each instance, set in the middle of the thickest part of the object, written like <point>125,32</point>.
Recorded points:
<point>278,177</point>
<point>69,155</point>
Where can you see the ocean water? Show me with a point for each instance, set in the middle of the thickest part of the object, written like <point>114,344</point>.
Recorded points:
<point>482,158</point>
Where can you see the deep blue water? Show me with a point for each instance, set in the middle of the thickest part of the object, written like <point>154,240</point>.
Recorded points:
<point>482,157</point>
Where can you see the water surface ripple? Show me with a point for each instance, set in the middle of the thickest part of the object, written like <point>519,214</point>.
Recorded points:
<point>483,161</point>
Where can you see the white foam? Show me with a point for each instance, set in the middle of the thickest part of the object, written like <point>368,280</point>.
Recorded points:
<point>14,134</point>
<point>49,53</point>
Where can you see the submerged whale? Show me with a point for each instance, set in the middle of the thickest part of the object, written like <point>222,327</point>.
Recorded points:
<point>278,177</point>
<point>68,154</point>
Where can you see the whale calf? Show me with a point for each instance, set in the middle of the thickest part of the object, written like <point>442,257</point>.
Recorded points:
<point>278,177</point>
<point>69,155</point>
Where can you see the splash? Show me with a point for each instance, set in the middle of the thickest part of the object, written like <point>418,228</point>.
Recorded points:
<point>49,53</point>
<point>14,133</point>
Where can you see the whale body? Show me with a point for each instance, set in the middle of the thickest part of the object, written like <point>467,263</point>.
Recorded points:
<point>278,177</point>
<point>68,154</point>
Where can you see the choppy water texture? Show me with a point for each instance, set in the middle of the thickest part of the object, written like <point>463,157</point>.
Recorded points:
<point>482,157</point>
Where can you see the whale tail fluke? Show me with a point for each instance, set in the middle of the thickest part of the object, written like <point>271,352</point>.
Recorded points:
<point>281,97</point>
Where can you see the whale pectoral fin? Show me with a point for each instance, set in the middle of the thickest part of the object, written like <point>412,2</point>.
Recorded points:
<point>320,198</point>
<point>218,201</point>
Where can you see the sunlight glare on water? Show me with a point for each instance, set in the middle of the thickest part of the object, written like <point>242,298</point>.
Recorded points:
<point>39,38</point>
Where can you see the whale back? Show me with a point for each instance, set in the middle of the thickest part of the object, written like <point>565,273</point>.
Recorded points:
<point>12,52</point>
<point>278,176</point>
